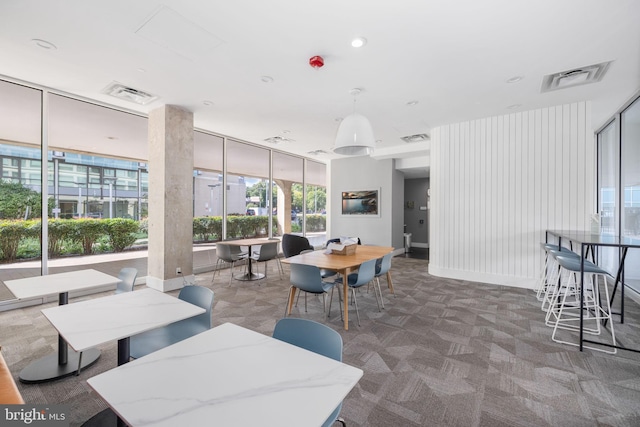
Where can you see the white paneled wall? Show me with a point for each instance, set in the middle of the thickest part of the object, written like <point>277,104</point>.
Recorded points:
<point>498,183</point>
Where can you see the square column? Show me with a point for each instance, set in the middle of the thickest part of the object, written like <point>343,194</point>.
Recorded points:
<point>170,197</point>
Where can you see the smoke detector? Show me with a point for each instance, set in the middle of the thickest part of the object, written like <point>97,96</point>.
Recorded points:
<point>121,91</point>
<point>419,137</point>
<point>576,77</point>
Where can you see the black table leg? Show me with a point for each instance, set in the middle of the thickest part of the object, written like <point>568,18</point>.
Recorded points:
<point>60,365</point>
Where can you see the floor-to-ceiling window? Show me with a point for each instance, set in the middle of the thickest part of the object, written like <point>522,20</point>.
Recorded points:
<point>287,180</point>
<point>247,166</point>
<point>630,175</point>
<point>619,187</point>
<point>95,168</point>
<point>208,193</point>
<point>316,199</point>
<point>21,183</point>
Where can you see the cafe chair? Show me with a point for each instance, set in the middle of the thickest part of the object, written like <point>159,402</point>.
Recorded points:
<point>126,280</point>
<point>227,255</point>
<point>293,244</point>
<point>150,341</point>
<point>278,252</point>
<point>268,252</point>
<point>383,265</point>
<point>307,278</point>
<point>366,273</point>
<point>315,337</point>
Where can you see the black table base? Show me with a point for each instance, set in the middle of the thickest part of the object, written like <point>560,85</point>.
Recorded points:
<point>48,368</point>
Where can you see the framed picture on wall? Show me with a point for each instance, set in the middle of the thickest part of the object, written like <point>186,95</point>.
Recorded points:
<point>361,203</point>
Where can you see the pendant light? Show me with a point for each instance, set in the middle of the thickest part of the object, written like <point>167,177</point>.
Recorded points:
<point>355,135</point>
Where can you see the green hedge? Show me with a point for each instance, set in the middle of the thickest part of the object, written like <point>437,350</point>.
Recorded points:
<point>67,236</point>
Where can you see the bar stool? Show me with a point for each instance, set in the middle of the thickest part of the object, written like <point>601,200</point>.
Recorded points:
<point>567,309</point>
<point>548,283</point>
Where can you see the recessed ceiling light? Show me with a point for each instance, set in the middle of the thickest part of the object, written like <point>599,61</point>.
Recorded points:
<point>514,106</point>
<point>207,103</point>
<point>514,79</point>
<point>142,70</point>
<point>44,44</point>
<point>266,79</point>
<point>112,137</point>
<point>358,42</point>
<point>286,131</point>
<point>412,103</point>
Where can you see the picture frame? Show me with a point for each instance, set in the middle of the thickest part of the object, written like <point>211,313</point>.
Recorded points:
<point>361,203</point>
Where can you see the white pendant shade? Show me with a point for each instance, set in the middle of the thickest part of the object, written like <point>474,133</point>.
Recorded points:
<point>355,136</point>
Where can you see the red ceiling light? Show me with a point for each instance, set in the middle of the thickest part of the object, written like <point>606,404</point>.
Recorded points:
<point>316,61</point>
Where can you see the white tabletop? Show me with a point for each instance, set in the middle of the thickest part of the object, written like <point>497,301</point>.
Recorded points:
<point>227,375</point>
<point>51,284</point>
<point>89,323</point>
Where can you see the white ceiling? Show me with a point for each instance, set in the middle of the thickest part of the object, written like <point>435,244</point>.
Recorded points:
<point>452,57</point>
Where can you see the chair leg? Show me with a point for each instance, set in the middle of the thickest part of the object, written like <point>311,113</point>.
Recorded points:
<point>355,303</point>
<point>378,292</point>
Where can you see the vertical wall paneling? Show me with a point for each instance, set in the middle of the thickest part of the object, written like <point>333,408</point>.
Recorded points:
<point>498,183</point>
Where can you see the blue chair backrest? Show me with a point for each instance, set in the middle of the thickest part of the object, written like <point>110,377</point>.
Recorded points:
<point>306,277</point>
<point>384,265</point>
<point>366,273</point>
<point>310,335</point>
<point>127,279</point>
<point>202,297</point>
<point>268,251</point>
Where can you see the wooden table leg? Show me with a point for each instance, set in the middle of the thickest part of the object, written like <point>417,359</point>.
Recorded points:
<point>390,283</point>
<point>292,295</point>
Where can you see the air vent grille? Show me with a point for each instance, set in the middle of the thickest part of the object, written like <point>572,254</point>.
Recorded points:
<point>121,91</point>
<point>317,152</point>
<point>278,140</point>
<point>419,137</point>
<point>576,77</point>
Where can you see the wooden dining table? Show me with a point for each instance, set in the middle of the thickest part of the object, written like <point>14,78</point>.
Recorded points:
<point>342,264</point>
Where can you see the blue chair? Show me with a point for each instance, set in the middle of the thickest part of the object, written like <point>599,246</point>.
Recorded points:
<point>126,280</point>
<point>150,341</point>
<point>227,254</point>
<point>267,252</point>
<point>315,337</point>
<point>383,265</point>
<point>366,273</point>
<point>307,278</point>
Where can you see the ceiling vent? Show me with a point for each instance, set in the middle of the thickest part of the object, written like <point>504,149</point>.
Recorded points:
<point>316,152</point>
<point>121,91</point>
<point>419,137</point>
<point>576,77</point>
<point>278,139</point>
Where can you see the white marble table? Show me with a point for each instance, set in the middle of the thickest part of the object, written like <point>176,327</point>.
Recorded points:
<point>64,362</point>
<point>116,317</point>
<point>228,375</point>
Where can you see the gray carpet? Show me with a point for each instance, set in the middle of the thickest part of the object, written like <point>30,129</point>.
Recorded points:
<point>442,353</point>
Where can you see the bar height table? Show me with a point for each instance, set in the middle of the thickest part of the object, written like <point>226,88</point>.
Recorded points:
<point>63,363</point>
<point>590,241</point>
